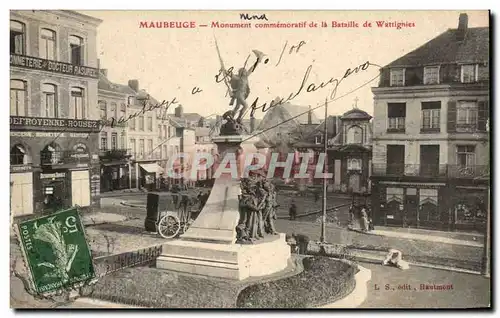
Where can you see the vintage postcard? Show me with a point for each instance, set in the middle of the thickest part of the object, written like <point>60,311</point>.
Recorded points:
<point>250,159</point>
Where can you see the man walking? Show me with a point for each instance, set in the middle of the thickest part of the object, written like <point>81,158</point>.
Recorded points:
<point>293,211</point>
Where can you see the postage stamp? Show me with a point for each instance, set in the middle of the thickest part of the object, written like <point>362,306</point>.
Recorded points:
<point>56,251</point>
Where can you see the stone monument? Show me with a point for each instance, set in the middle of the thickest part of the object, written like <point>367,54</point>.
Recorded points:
<point>211,247</point>
<point>233,236</point>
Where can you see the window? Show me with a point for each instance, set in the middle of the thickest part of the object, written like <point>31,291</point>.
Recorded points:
<point>354,164</point>
<point>150,146</point>
<point>122,140</point>
<point>114,140</point>
<point>18,98</point>
<point>159,131</point>
<point>466,156</point>
<point>103,110</point>
<point>355,135</point>
<point>114,111</point>
<point>49,100</point>
<point>131,100</point>
<point>431,75</point>
<point>104,141</point>
<point>132,146</point>
<point>132,123</point>
<point>17,37</point>
<point>168,132</point>
<point>396,113</point>
<point>428,205</point>
<point>76,48</point>
<point>398,77</point>
<point>150,123</point>
<point>141,123</point>
<point>141,147</point>
<point>77,102</point>
<point>18,155</point>
<point>431,112</point>
<point>48,44</point>
<point>123,111</point>
<point>165,154</point>
<point>468,73</point>
<point>467,113</point>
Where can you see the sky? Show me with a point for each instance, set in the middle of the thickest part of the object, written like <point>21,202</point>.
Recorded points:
<point>172,62</point>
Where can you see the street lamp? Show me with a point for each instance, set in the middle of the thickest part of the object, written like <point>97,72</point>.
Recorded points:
<point>323,219</point>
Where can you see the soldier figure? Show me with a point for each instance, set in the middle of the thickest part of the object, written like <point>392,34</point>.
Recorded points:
<point>270,209</point>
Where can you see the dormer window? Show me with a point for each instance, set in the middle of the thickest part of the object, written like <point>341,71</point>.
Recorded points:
<point>468,73</point>
<point>431,75</point>
<point>398,77</point>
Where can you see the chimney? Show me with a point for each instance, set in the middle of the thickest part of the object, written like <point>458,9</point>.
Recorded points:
<point>134,84</point>
<point>463,21</point>
<point>252,124</point>
<point>178,111</point>
<point>104,71</point>
<point>309,116</point>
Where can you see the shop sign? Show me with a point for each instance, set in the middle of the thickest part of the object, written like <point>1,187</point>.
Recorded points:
<point>39,64</point>
<point>19,123</point>
<point>52,175</point>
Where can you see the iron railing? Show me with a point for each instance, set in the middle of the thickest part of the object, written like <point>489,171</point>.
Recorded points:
<point>430,170</point>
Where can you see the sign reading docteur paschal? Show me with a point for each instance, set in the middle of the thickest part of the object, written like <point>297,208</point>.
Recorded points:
<point>52,66</point>
<point>56,251</point>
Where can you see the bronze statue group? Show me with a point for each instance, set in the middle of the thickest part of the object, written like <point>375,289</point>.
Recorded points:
<point>257,206</point>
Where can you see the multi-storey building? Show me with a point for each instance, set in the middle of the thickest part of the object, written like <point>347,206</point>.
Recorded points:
<point>114,101</point>
<point>143,132</point>
<point>53,115</point>
<point>431,140</point>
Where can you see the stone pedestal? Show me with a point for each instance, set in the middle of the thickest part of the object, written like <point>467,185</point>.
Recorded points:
<point>208,247</point>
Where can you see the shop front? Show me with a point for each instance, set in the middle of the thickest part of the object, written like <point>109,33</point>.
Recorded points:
<point>115,169</point>
<point>438,206</point>
<point>51,161</point>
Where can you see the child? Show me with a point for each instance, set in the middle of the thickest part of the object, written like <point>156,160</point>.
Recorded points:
<point>395,258</point>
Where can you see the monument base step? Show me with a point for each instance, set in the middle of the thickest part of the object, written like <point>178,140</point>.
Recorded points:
<point>232,261</point>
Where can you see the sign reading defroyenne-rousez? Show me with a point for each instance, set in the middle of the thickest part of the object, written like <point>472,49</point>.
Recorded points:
<point>18,123</point>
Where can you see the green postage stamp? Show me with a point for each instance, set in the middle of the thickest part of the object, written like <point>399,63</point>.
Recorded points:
<point>56,251</point>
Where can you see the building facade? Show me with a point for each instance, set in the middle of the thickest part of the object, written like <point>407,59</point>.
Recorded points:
<point>431,140</point>
<point>53,119</point>
<point>143,132</point>
<point>114,101</point>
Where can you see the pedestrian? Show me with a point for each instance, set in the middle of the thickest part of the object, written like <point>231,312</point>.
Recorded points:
<point>395,258</point>
<point>302,242</point>
<point>316,196</point>
<point>364,220</point>
<point>292,211</point>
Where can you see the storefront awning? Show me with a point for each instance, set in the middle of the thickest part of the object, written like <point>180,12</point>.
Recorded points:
<point>152,168</point>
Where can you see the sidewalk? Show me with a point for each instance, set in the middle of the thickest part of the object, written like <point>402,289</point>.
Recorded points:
<point>420,248</point>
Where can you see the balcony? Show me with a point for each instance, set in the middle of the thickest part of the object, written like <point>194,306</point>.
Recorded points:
<point>146,156</point>
<point>62,157</point>
<point>112,122</point>
<point>114,154</point>
<point>430,171</point>
<point>476,172</point>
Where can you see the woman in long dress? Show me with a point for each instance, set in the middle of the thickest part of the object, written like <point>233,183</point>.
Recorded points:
<point>364,220</point>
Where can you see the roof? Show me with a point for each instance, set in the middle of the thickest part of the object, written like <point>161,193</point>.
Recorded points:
<point>285,113</point>
<point>176,122</point>
<point>107,85</point>
<point>202,131</point>
<point>191,116</point>
<point>356,113</point>
<point>446,49</point>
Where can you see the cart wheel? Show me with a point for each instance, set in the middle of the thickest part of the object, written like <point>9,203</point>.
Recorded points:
<point>169,226</point>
